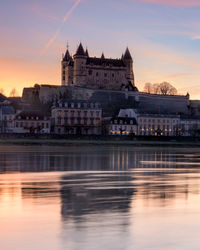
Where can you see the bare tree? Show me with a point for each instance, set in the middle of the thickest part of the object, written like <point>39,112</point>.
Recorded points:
<point>167,89</point>
<point>148,87</point>
<point>156,88</point>
<point>13,93</point>
<point>173,91</point>
<point>163,88</point>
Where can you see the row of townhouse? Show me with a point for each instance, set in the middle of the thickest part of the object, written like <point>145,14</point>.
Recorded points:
<point>131,121</point>
<point>81,118</point>
<point>67,117</point>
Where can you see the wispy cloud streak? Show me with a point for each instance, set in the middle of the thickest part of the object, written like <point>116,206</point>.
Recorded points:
<point>177,3</point>
<point>66,17</point>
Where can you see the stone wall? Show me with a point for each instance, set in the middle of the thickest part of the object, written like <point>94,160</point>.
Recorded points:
<point>112,101</point>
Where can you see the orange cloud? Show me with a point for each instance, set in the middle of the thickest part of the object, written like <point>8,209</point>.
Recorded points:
<point>177,3</point>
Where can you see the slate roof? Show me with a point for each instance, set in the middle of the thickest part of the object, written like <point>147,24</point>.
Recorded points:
<point>68,103</point>
<point>86,53</point>
<point>7,110</point>
<point>127,54</point>
<point>80,51</point>
<point>105,62</point>
<point>67,57</point>
<point>2,98</point>
<point>32,115</point>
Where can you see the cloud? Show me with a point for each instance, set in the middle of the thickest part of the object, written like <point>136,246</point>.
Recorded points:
<point>176,3</point>
<point>197,37</point>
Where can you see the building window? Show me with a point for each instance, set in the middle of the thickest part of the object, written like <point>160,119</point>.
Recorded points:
<point>65,121</point>
<point>90,72</point>
<point>105,74</point>
<point>59,120</point>
<point>97,74</point>
<point>97,113</point>
<point>78,121</point>
<point>85,113</point>
<point>92,121</point>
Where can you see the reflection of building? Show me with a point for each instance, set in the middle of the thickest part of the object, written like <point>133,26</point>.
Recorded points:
<point>31,122</point>
<point>97,73</point>
<point>77,117</point>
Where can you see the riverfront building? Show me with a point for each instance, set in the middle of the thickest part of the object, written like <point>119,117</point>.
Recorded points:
<point>76,117</point>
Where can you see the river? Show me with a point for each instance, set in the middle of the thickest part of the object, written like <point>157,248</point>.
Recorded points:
<point>99,197</point>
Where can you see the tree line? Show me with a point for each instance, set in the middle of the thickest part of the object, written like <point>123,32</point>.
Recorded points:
<point>163,88</point>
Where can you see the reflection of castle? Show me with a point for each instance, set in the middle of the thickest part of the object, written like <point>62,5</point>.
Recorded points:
<point>98,73</point>
<point>95,193</point>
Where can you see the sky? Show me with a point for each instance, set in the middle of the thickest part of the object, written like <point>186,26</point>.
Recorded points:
<point>162,35</point>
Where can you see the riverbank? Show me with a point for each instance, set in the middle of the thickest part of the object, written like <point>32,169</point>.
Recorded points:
<point>97,141</point>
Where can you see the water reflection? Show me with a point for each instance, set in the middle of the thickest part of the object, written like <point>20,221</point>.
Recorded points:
<point>74,158</point>
<point>99,197</point>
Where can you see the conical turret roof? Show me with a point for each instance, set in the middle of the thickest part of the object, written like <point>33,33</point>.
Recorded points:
<point>102,56</point>
<point>127,54</point>
<point>86,53</point>
<point>67,56</point>
<point>80,51</point>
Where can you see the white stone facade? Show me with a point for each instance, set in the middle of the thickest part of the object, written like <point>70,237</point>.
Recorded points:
<point>122,126</point>
<point>77,118</point>
<point>31,122</point>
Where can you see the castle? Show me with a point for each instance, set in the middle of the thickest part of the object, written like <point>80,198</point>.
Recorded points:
<point>97,73</point>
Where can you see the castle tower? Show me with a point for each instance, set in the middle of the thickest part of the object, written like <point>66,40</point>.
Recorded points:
<point>67,69</point>
<point>128,61</point>
<point>80,59</point>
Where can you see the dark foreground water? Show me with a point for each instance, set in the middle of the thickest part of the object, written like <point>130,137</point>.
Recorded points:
<point>99,197</point>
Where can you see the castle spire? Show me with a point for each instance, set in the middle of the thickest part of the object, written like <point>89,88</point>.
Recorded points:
<point>67,56</point>
<point>80,51</point>
<point>86,52</point>
<point>127,55</point>
<point>102,56</point>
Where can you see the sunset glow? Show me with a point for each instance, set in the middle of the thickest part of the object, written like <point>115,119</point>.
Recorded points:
<point>163,37</point>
